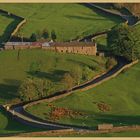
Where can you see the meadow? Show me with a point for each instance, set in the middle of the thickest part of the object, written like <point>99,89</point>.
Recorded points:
<point>53,66</point>
<point>69,21</point>
<point>116,101</point>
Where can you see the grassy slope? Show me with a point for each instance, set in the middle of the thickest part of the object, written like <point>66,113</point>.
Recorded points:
<point>121,93</point>
<point>68,20</point>
<point>53,66</point>
<point>9,126</point>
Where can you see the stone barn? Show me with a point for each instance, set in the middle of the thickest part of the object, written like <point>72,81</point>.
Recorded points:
<point>105,126</point>
<point>87,48</point>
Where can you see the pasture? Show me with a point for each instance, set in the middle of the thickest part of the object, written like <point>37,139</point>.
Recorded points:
<point>116,101</point>
<point>52,66</point>
<point>69,21</point>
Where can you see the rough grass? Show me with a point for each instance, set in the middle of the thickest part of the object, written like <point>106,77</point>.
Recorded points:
<point>68,20</point>
<point>120,93</point>
<point>53,67</point>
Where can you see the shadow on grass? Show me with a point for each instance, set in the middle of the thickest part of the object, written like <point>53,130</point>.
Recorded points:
<point>84,18</point>
<point>106,15</point>
<point>8,89</point>
<point>14,127</point>
<point>119,119</point>
<point>54,76</point>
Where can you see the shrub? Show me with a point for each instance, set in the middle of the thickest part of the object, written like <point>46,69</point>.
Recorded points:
<point>68,81</point>
<point>110,63</point>
<point>76,73</point>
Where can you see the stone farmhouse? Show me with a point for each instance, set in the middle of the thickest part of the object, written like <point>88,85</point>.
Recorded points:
<point>87,48</point>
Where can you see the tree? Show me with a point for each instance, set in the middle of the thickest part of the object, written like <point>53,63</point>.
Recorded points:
<point>76,73</point>
<point>33,37</point>
<point>53,35</point>
<point>39,35</point>
<point>43,87</point>
<point>68,81</point>
<point>87,73</point>
<point>124,41</point>
<point>45,34</point>
<point>34,88</point>
<point>27,90</point>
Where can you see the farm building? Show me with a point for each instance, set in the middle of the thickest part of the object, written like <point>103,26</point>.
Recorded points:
<point>87,48</point>
<point>105,126</point>
<point>21,45</point>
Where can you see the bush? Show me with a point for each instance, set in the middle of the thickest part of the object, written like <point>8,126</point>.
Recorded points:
<point>76,73</point>
<point>110,63</point>
<point>87,73</point>
<point>68,81</point>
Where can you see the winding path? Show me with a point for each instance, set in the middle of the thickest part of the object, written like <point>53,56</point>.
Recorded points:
<point>21,115</point>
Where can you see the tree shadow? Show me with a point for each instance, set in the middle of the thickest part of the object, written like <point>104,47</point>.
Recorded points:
<point>84,18</point>
<point>119,119</point>
<point>106,15</point>
<point>82,63</point>
<point>13,126</point>
<point>8,89</point>
<point>54,76</point>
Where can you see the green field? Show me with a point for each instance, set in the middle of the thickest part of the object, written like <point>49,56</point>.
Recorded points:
<point>53,67</point>
<point>121,94</point>
<point>68,20</point>
<point>10,126</point>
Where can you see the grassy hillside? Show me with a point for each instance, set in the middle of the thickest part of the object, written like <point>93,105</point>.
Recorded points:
<point>10,126</point>
<point>53,66</point>
<point>68,20</point>
<point>116,101</point>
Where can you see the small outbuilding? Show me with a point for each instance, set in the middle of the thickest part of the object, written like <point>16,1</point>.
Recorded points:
<point>105,126</point>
